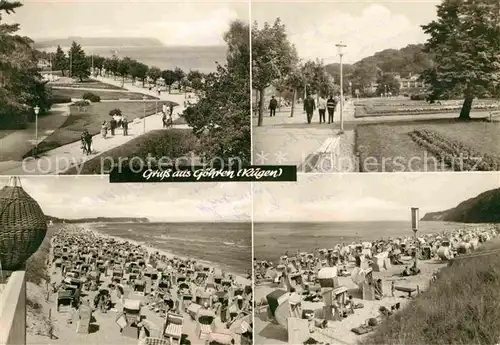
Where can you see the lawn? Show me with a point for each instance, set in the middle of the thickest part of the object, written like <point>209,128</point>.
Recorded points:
<point>90,84</point>
<point>105,95</point>
<point>460,307</point>
<point>389,147</point>
<point>167,145</point>
<point>92,118</point>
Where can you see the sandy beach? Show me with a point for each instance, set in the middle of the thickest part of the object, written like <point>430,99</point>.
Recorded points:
<point>103,327</point>
<point>242,280</point>
<point>268,329</point>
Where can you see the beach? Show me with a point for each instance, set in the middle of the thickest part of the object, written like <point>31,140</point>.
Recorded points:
<point>269,328</point>
<point>310,235</point>
<point>103,328</point>
<point>225,245</point>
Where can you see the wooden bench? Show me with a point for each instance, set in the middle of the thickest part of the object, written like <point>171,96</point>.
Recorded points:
<point>408,290</point>
<point>494,115</point>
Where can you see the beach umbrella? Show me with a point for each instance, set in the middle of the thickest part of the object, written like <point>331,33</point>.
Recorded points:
<point>22,225</point>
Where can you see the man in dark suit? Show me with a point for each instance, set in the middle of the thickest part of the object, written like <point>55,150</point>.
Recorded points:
<point>273,104</point>
<point>309,107</point>
<point>331,103</point>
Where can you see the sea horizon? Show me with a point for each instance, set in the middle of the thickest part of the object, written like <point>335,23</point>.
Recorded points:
<point>225,245</point>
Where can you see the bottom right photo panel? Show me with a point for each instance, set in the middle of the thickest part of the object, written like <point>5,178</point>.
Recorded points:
<point>378,259</point>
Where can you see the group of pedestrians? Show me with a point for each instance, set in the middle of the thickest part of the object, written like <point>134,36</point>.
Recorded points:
<point>113,125</point>
<point>86,137</point>
<point>324,105</point>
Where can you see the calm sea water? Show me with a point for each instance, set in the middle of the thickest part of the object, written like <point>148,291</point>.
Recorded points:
<point>228,245</point>
<point>196,58</point>
<point>271,240</point>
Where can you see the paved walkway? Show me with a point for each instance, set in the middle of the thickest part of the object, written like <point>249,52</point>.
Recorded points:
<point>15,145</point>
<point>311,147</point>
<point>62,158</point>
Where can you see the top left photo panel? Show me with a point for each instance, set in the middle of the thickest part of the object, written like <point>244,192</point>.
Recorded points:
<point>91,86</point>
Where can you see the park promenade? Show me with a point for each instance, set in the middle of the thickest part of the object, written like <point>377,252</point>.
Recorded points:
<point>60,159</point>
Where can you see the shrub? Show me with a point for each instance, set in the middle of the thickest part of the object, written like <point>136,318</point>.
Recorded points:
<point>58,99</point>
<point>91,97</point>
<point>83,103</point>
<point>115,111</point>
<point>418,97</point>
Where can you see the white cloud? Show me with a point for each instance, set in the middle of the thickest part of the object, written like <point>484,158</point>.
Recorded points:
<point>375,29</point>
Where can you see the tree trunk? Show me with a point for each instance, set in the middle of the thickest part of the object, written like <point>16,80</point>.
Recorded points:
<point>294,99</point>
<point>169,89</point>
<point>261,106</point>
<point>466,108</point>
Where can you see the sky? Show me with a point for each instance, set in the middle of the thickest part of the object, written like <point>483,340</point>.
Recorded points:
<point>73,197</point>
<point>366,197</point>
<point>175,23</point>
<point>366,27</point>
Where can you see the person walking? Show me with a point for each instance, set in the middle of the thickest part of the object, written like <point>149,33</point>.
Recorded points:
<point>164,120</point>
<point>125,126</point>
<point>309,107</point>
<point>104,129</point>
<point>273,104</point>
<point>87,142</point>
<point>112,126</point>
<point>331,103</point>
<point>322,109</point>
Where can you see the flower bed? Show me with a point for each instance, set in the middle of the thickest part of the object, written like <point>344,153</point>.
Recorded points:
<point>389,110</point>
<point>452,152</point>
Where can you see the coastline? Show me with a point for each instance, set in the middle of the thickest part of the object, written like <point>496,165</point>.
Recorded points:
<point>240,279</point>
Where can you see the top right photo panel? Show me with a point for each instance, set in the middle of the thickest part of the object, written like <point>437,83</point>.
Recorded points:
<point>376,86</point>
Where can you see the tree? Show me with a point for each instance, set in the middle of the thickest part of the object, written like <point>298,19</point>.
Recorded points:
<point>169,78</point>
<point>154,73</point>
<point>295,81</point>
<point>138,70</point>
<point>179,76</point>
<point>221,118</point>
<point>273,57</point>
<point>80,66</point>
<point>111,66</point>
<point>21,85</point>
<point>98,63</point>
<point>60,62</point>
<point>388,83</point>
<point>195,79</point>
<point>465,43</point>
<point>123,68</point>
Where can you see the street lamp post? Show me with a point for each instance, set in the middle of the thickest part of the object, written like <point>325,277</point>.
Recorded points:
<point>144,118</point>
<point>340,48</point>
<point>414,225</point>
<point>36,109</point>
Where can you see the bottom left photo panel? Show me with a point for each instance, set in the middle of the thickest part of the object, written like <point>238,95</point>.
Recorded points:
<point>84,261</point>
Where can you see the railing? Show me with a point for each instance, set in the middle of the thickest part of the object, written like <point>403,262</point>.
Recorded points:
<point>13,310</point>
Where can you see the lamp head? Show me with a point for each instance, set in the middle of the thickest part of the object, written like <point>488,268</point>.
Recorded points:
<point>36,109</point>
